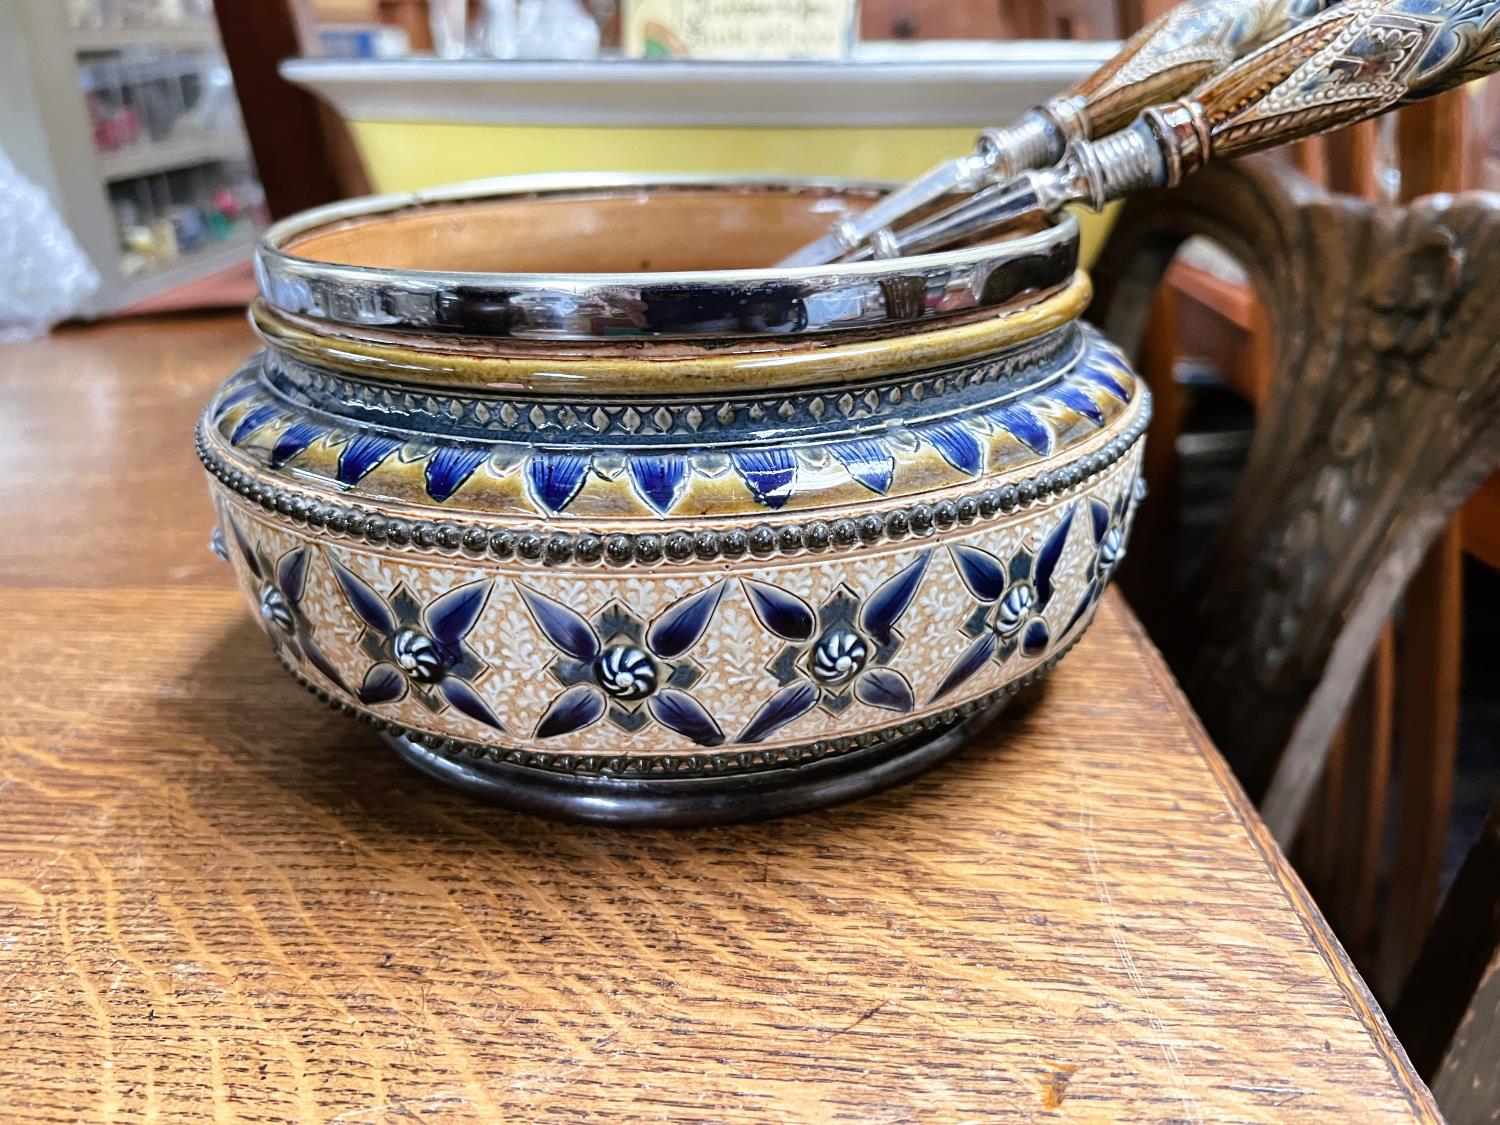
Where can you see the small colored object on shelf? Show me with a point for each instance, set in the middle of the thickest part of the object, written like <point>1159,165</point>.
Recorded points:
<point>113,128</point>
<point>163,240</point>
<point>226,204</point>
<point>220,227</point>
<point>188,228</point>
<point>361,41</point>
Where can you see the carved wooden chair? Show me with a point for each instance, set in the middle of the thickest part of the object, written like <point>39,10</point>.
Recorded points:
<point>1382,415</point>
<point>1448,1016</point>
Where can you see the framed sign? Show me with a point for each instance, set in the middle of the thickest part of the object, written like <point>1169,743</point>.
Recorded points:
<point>739,29</point>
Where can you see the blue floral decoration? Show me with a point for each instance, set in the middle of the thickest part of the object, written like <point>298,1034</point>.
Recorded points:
<point>419,648</point>
<point>1013,596</point>
<point>236,391</point>
<point>363,452</point>
<point>868,460</point>
<point>1022,423</point>
<point>555,476</point>
<point>1110,527</point>
<point>768,473</point>
<point>616,666</point>
<point>835,654</point>
<point>659,479</point>
<point>1077,399</point>
<point>279,587</point>
<point>450,467</point>
<point>252,420</point>
<point>293,440</point>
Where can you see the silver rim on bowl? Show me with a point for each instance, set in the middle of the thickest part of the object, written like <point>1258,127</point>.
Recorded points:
<point>686,304</point>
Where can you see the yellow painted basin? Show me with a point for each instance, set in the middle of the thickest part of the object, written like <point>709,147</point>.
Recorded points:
<point>885,116</point>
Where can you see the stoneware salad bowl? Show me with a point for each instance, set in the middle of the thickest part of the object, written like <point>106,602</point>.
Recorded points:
<point>549,484</point>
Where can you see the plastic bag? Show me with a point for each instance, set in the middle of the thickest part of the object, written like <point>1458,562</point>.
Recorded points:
<point>555,29</point>
<point>47,277</point>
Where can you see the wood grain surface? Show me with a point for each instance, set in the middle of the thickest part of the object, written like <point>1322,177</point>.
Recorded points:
<point>219,900</point>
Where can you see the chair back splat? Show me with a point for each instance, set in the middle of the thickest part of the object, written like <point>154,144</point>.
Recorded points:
<point>1383,415</point>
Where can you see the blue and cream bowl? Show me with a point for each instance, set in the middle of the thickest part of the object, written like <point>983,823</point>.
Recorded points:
<point>553,484</point>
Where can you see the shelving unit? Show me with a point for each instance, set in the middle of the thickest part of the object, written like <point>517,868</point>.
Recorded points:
<point>123,110</point>
<point>143,159</point>
<point>102,39</point>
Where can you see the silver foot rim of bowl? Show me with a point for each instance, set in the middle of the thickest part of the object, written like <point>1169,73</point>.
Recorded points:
<point>698,801</point>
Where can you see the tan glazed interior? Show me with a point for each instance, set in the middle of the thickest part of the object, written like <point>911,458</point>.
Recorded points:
<point>660,230</point>
<point>664,229</point>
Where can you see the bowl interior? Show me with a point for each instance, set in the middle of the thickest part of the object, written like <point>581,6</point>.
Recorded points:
<point>663,229</point>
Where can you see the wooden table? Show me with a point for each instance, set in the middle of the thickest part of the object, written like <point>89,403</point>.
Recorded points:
<point>220,899</point>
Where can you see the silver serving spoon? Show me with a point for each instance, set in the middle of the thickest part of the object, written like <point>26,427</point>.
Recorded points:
<point>1168,57</point>
<point>1355,60</point>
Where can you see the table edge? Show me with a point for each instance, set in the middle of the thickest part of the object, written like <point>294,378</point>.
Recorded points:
<point>1418,1096</point>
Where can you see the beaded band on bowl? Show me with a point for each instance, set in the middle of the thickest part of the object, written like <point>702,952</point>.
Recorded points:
<point>764,540</point>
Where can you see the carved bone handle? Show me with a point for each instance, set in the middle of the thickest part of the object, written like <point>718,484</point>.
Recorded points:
<point>1175,52</point>
<point>1171,55</point>
<point>1353,61</point>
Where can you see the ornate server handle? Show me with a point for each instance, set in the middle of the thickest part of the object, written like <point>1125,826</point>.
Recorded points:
<point>1177,51</point>
<point>1169,56</point>
<point>1353,61</point>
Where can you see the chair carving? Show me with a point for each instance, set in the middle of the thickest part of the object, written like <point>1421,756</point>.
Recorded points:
<point>1383,415</point>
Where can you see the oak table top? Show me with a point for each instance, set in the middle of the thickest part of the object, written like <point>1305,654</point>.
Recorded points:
<point>220,899</point>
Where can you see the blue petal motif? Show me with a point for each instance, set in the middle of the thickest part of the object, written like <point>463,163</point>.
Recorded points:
<point>293,440</point>
<point>1083,604</point>
<point>253,420</point>
<point>291,574</point>
<point>1103,377</point>
<point>314,656</point>
<point>768,473</point>
<point>462,696</point>
<point>1046,559</point>
<point>884,687</point>
<point>1036,639</point>
<point>892,599</point>
<point>788,704</point>
<point>245,552</point>
<point>574,709</point>
<point>659,480</point>
<point>1024,426</point>
<point>384,683</point>
<point>957,445</point>
<point>1100,515</point>
<point>679,711</point>
<point>786,615</point>
<point>556,478</point>
<point>451,616</point>
<point>981,571</point>
<point>365,602</point>
<point>974,658</point>
<point>234,398</point>
<point>564,628</point>
<point>363,454</point>
<point>450,466</point>
<point>679,626</point>
<point>868,460</point>
<point>1076,398</point>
